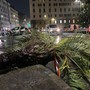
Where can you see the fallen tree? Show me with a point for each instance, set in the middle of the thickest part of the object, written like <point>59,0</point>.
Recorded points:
<point>73,55</point>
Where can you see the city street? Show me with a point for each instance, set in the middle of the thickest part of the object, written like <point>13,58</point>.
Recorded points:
<point>51,34</point>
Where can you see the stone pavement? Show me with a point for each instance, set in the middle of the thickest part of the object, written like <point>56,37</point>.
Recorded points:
<point>32,78</point>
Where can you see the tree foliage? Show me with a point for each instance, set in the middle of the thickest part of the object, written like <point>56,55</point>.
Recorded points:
<point>72,53</point>
<point>84,16</point>
<point>74,56</point>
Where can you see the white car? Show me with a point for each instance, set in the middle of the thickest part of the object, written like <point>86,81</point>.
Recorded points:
<point>18,30</point>
<point>53,29</point>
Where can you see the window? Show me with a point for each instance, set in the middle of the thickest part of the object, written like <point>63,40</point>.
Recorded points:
<point>60,15</point>
<point>49,9</point>
<point>33,16</point>
<point>55,9</point>
<point>49,4</point>
<point>60,21</point>
<point>73,14</point>
<point>64,21</point>
<point>33,10</point>
<point>69,21</point>
<point>39,16</point>
<point>64,9</point>
<point>44,10</point>
<point>60,9</point>
<point>69,9</point>
<point>39,10</point>
<point>44,4</point>
<point>33,5</point>
<point>55,15</point>
<point>73,21</point>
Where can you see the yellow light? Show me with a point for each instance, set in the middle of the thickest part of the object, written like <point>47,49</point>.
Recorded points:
<point>45,16</point>
<point>53,19</point>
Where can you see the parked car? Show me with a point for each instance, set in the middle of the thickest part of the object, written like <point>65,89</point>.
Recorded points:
<point>53,29</point>
<point>19,30</point>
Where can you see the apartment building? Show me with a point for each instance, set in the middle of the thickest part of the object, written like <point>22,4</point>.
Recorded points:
<point>14,18</point>
<point>8,15</point>
<point>54,11</point>
<point>4,14</point>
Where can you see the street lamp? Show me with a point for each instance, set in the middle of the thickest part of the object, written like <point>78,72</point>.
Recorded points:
<point>77,1</point>
<point>53,20</point>
<point>2,16</point>
<point>14,16</point>
<point>45,16</point>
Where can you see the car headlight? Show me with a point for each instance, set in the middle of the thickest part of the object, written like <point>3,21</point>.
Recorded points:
<point>58,30</point>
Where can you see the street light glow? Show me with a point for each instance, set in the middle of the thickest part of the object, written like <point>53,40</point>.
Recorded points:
<point>16,20</point>
<point>45,16</point>
<point>82,4</point>
<point>2,16</point>
<point>53,19</point>
<point>14,16</point>
<point>24,20</point>
<point>77,1</point>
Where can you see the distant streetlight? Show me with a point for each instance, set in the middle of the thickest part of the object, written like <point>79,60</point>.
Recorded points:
<point>14,16</point>
<point>45,16</point>
<point>16,20</point>
<point>24,20</point>
<point>77,1</point>
<point>53,20</point>
<point>2,16</point>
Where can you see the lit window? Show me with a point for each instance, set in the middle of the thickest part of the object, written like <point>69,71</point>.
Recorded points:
<point>55,22</point>
<point>64,21</point>
<point>73,21</point>
<point>60,21</point>
<point>69,21</point>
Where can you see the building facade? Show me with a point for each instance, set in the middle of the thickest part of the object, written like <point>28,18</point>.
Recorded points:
<point>54,11</point>
<point>4,14</point>
<point>14,18</point>
<point>8,16</point>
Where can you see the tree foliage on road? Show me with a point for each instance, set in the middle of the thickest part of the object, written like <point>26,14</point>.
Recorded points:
<point>72,53</point>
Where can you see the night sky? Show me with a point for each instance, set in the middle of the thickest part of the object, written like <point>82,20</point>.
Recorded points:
<point>20,5</point>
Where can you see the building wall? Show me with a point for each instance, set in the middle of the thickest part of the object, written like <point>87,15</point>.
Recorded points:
<point>8,15</point>
<point>14,19</point>
<point>63,11</point>
<point>4,14</point>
